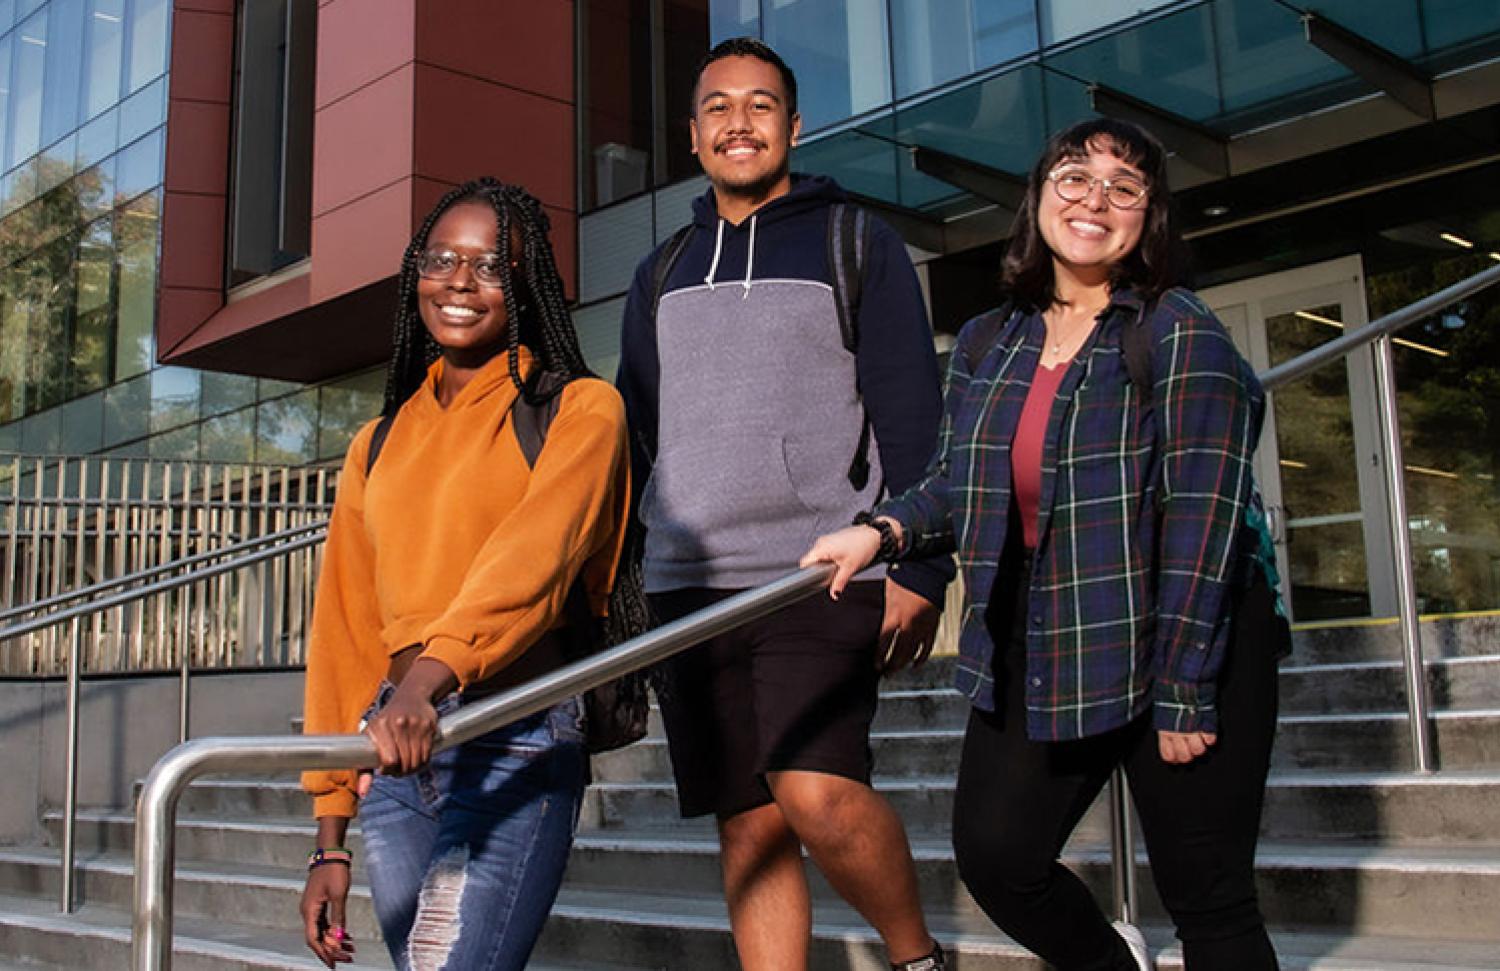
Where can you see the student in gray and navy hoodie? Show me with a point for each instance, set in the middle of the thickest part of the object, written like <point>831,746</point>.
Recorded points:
<point>748,417</point>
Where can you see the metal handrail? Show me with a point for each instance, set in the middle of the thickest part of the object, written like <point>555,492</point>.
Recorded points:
<point>1392,322</point>
<point>72,616</point>
<point>171,566</point>
<point>155,841</point>
<point>155,830</point>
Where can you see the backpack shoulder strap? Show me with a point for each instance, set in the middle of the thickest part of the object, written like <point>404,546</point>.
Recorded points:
<point>530,422</point>
<point>665,261</point>
<point>986,329</point>
<point>377,442</point>
<point>1135,347</point>
<point>848,242</point>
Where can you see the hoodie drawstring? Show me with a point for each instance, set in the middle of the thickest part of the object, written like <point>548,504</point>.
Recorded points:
<point>749,257</point>
<point>718,249</point>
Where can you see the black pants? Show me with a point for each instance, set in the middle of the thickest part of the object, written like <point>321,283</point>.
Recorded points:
<point>1019,800</point>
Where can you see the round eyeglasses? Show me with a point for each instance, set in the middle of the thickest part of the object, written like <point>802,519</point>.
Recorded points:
<point>440,264</point>
<point>1074,183</point>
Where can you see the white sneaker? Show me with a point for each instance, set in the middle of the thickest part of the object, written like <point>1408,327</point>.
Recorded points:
<point>1136,943</point>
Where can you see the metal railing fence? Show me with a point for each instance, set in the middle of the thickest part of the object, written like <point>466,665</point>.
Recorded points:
<point>69,525</point>
<point>155,840</point>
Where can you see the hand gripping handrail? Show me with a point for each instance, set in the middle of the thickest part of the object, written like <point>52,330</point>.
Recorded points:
<point>155,841</point>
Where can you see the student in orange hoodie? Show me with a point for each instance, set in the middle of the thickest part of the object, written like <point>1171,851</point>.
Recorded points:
<point>446,570</point>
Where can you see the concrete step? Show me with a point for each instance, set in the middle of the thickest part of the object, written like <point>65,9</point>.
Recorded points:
<point>1445,890</point>
<point>1391,808</point>
<point>1455,684</point>
<point>1363,742</point>
<point>596,927</point>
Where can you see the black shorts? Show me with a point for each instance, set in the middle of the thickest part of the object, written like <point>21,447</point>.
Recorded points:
<point>795,690</point>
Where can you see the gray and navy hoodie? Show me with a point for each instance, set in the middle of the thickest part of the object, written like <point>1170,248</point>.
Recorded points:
<point>746,409</point>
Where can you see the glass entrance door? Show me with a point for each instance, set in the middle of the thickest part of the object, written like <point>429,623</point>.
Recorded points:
<point>1319,458</point>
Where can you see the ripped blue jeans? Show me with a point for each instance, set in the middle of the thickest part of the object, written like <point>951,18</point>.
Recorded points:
<point>465,856</point>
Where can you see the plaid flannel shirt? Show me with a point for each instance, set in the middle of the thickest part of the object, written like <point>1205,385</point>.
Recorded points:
<point>1140,524</point>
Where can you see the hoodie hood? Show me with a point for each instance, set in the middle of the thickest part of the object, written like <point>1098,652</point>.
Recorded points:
<point>808,193</point>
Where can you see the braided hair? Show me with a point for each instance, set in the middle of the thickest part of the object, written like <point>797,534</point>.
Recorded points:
<point>534,301</point>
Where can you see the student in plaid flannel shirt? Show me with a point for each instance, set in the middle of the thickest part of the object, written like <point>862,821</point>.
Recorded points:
<point>1120,603</point>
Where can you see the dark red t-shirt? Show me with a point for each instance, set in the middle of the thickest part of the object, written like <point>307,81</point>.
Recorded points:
<point>1026,446</point>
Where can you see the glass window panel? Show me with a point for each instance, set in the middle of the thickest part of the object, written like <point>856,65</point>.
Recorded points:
<point>344,407</point>
<point>840,53</point>
<point>15,327</point>
<point>617,109</point>
<point>7,14</point>
<point>50,282</point>
<point>1065,19</point>
<point>174,397</point>
<point>226,392</point>
<point>127,407</point>
<point>860,162</point>
<point>1319,475</point>
<point>10,438</point>
<point>24,7</point>
<point>97,139</point>
<point>143,111</point>
<point>1264,58</point>
<point>148,42</point>
<point>272,388</point>
<point>95,190</point>
<point>83,425</point>
<point>733,18</point>
<point>286,429</point>
<point>30,61</point>
<point>7,44</point>
<point>181,444</point>
<point>93,325</point>
<point>1454,23</point>
<point>1448,381</point>
<point>64,69</point>
<point>55,165</point>
<point>999,123</point>
<point>139,166</point>
<point>105,41</point>
<point>136,243</point>
<point>936,41</point>
<point>228,438</point>
<point>42,434</point>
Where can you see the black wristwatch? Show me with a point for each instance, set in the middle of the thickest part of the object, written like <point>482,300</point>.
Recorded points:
<point>890,546</point>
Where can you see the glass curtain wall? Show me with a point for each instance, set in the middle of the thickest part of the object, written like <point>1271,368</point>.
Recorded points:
<point>82,105</point>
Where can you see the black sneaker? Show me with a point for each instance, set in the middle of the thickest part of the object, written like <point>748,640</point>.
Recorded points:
<point>929,962</point>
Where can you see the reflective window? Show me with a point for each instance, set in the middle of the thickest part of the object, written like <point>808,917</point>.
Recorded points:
<point>935,41</point>
<point>286,429</point>
<point>344,406</point>
<point>83,425</point>
<point>106,33</point>
<point>29,57</point>
<point>127,406</point>
<point>93,323</point>
<point>1065,19</point>
<point>136,229</point>
<point>15,317</point>
<point>143,111</point>
<point>7,43</point>
<point>139,166</point>
<point>181,445</point>
<point>174,397</point>
<point>839,53</point>
<point>228,438</point>
<point>226,392</point>
<point>148,41</point>
<point>64,69</point>
<point>617,94</point>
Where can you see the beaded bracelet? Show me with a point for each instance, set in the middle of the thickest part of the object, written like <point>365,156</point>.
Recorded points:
<point>329,854</point>
<point>890,546</point>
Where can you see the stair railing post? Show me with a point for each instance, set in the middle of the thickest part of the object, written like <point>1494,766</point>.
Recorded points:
<point>70,785</point>
<point>1417,709</point>
<point>1122,848</point>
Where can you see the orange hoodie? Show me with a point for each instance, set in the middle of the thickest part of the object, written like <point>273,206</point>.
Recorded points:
<point>454,543</point>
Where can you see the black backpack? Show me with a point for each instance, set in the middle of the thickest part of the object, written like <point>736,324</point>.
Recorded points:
<point>848,241</point>
<point>616,712</point>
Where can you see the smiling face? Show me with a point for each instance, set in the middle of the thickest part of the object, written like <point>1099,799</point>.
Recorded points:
<point>466,317</point>
<point>1090,236</point>
<point>742,130</point>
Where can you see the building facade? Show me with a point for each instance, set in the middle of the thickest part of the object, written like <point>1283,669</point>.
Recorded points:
<point>203,203</point>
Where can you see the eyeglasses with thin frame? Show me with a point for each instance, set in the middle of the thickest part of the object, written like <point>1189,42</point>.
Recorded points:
<point>440,264</point>
<point>1073,183</point>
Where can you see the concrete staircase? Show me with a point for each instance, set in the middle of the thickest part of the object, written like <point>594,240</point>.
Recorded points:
<point>1362,866</point>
